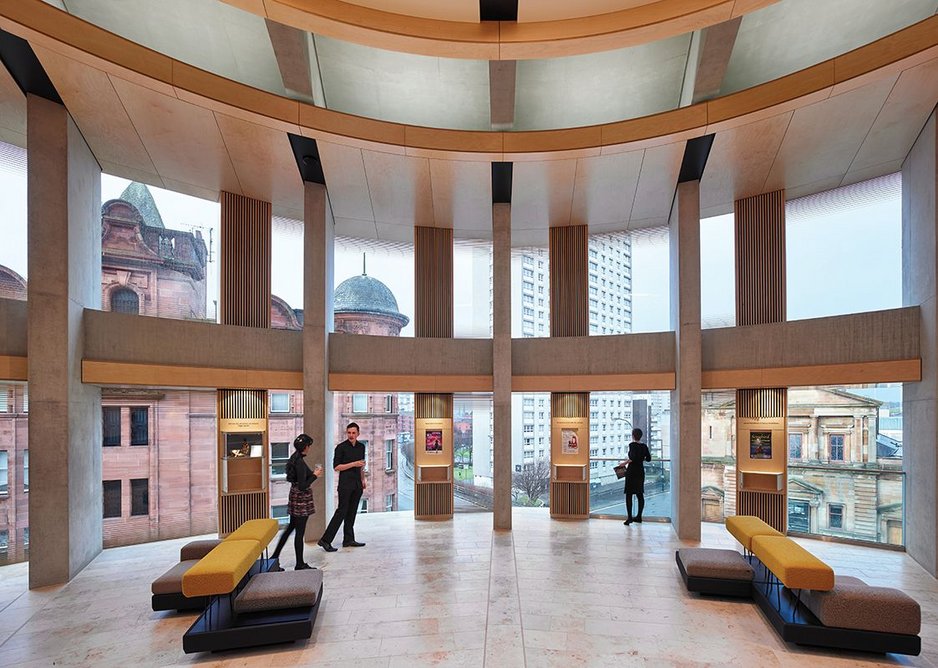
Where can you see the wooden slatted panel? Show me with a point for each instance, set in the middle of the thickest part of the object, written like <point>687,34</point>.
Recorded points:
<point>766,402</point>
<point>569,404</point>
<point>433,282</point>
<point>242,404</point>
<point>569,281</point>
<point>433,405</point>
<point>760,258</point>
<point>236,509</point>
<point>434,500</point>
<point>569,500</point>
<point>245,261</point>
<point>770,507</point>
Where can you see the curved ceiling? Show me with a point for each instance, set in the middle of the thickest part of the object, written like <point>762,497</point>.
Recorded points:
<point>455,93</point>
<point>159,121</point>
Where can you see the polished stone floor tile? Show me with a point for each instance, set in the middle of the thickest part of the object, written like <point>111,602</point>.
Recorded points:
<point>457,594</point>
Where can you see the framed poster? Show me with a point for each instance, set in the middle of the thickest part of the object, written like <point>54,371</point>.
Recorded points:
<point>434,440</point>
<point>569,442</point>
<point>760,445</point>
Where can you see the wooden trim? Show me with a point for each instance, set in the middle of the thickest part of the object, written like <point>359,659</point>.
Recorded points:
<point>594,383</point>
<point>168,375</point>
<point>759,235</point>
<point>47,26</point>
<point>503,40</point>
<point>244,292</point>
<point>822,374</point>
<point>433,281</point>
<point>13,367</point>
<point>431,383</point>
<point>569,281</point>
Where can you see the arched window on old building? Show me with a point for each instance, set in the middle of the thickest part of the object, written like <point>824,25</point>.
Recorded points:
<point>125,300</point>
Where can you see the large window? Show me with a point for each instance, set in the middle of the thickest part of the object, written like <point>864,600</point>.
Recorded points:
<point>12,222</point>
<point>530,450</point>
<point>843,249</point>
<point>718,455</point>
<point>4,472</point>
<point>651,280</point>
<point>176,235</point>
<point>180,427</point>
<point>279,402</point>
<point>112,498</point>
<point>609,283</point>
<point>359,403</point>
<point>717,272</point>
<point>286,273</point>
<point>530,292</point>
<point>374,288</point>
<point>845,473</point>
<point>284,425</point>
<point>613,416</point>
<point>472,287</point>
<point>279,455</point>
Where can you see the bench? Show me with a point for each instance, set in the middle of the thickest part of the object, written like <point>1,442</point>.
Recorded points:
<point>166,590</point>
<point>248,604</point>
<point>826,611</point>
<point>715,572</point>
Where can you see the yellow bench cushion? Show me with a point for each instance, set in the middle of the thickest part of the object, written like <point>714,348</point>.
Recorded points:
<point>792,564</point>
<point>745,527</point>
<point>263,531</point>
<point>219,571</point>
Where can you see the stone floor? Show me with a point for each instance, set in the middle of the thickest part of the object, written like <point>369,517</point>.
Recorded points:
<point>549,593</point>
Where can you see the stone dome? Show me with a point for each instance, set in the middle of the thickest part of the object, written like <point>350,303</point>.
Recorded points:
<point>139,195</point>
<point>364,294</point>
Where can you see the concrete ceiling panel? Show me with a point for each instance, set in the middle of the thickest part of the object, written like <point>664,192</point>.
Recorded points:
<point>12,110</point>
<point>901,119</point>
<point>344,169</point>
<point>740,161</point>
<point>401,233</point>
<point>400,188</point>
<point>542,194</point>
<point>263,161</point>
<point>604,189</point>
<point>823,139</point>
<point>462,194</point>
<point>182,139</point>
<point>656,184</point>
<point>93,102</point>
<point>358,229</point>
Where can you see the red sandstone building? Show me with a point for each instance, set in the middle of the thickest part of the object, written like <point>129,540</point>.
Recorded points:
<point>159,445</point>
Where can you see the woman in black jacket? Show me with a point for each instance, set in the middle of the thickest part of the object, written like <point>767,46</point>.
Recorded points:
<point>300,505</point>
<point>635,475</point>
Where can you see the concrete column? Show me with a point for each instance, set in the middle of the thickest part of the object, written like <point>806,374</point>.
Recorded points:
<point>501,362</point>
<point>685,398</point>
<point>64,204</point>
<point>318,263</point>
<point>920,400</point>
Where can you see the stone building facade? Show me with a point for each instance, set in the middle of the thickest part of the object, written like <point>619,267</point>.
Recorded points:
<point>844,478</point>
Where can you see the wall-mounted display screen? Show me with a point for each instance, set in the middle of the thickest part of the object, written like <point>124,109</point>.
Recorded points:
<point>760,445</point>
<point>434,440</point>
<point>570,443</point>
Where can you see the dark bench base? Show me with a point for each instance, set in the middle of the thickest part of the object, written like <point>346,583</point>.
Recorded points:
<point>713,586</point>
<point>178,602</point>
<point>220,628</point>
<point>796,624</point>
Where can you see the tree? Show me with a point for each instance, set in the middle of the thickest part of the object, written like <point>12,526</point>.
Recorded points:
<point>532,480</point>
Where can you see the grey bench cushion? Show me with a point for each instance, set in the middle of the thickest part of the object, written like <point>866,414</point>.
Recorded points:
<point>702,562</point>
<point>197,548</point>
<point>852,604</point>
<point>170,582</point>
<point>275,591</point>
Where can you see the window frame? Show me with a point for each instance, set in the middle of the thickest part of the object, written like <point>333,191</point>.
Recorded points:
<point>104,498</point>
<point>389,454</point>
<point>842,447</point>
<point>137,506</point>
<point>274,397</point>
<point>135,436</point>
<point>831,514</point>
<point>105,412</point>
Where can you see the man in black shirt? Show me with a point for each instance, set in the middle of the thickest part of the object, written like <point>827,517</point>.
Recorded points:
<point>349,462</point>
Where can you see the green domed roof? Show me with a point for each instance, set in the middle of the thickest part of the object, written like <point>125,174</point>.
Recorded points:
<point>139,195</point>
<point>364,294</point>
